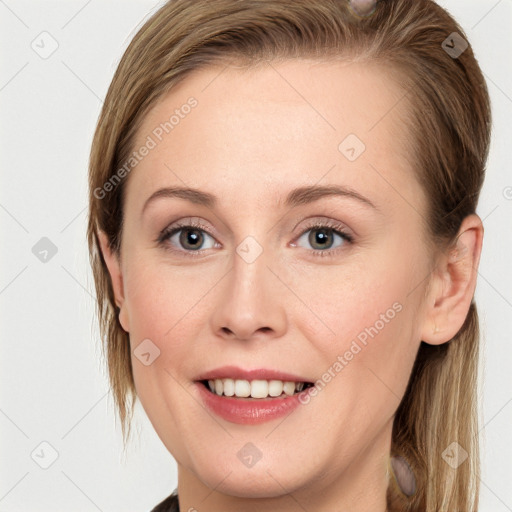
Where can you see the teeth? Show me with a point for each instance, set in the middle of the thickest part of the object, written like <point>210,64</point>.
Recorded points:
<point>242,388</point>
<point>229,387</point>
<point>275,388</point>
<point>259,388</point>
<point>255,388</point>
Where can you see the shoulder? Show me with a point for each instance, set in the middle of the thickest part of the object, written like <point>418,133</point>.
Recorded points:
<point>170,504</point>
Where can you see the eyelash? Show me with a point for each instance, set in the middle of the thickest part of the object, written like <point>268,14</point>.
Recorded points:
<point>336,228</point>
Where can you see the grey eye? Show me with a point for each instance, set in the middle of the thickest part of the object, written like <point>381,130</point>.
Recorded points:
<point>322,238</point>
<point>191,238</point>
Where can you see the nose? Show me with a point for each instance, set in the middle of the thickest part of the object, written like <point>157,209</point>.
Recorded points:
<point>251,304</point>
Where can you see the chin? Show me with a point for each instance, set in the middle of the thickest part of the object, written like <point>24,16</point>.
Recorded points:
<point>223,471</point>
<point>251,483</point>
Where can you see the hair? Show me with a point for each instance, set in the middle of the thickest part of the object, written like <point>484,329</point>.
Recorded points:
<point>449,123</point>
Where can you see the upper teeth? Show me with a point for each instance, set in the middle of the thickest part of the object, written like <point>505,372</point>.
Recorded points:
<point>253,388</point>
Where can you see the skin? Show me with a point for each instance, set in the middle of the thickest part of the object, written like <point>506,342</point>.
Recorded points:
<point>255,135</point>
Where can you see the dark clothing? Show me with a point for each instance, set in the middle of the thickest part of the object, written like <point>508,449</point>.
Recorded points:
<point>170,504</point>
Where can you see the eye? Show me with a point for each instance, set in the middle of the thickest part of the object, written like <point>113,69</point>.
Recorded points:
<point>321,237</point>
<point>190,237</point>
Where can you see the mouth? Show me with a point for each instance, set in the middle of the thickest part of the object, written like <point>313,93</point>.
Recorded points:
<point>252,396</point>
<point>257,389</point>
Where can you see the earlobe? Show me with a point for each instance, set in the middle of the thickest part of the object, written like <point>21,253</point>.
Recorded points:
<point>453,284</point>
<point>116,277</point>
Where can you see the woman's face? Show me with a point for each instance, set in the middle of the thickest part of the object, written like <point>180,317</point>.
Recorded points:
<point>307,257</point>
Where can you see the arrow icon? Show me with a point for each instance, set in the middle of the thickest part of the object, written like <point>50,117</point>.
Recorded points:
<point>249,455</point>
<point>44,44</point>
<point>249,249</point>
<point>44,455</point>
<point>44,250</point>
<point>351,147</point>
<point>146,352</point>
<point>455,455</point>
<point>454,45</point>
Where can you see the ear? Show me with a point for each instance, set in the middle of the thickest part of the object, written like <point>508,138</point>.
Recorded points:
<point>114,268</point>
<point>453,284</point>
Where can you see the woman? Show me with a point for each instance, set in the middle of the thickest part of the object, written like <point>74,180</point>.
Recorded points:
<point>236,138</point>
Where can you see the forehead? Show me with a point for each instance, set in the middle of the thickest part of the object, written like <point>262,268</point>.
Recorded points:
<point>288,122</point>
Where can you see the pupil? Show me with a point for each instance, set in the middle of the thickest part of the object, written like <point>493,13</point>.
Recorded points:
<point>190,236</point>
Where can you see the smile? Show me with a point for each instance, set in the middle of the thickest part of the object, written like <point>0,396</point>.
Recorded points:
<point>257,388</point>
<point>247,409</point>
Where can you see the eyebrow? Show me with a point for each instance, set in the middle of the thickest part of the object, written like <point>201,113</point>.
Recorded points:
<point>297,197</point>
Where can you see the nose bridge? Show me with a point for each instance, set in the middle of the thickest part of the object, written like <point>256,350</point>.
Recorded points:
<point>249,302</point>
<point>250,250</point>
<point>251,277</point>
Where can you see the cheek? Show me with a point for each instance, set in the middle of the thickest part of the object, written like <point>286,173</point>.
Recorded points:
<point>159,295</point>
<point>366,325</point>
<point>169,305</point>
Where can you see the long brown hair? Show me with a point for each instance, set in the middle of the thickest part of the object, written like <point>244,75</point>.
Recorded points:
<point>449,125</point>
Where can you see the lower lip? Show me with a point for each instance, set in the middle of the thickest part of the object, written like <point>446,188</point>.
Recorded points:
<point>249,412</point>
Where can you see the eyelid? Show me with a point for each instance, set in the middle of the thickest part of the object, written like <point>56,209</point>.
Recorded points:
<point>189,222</point>
<point>324,222</point>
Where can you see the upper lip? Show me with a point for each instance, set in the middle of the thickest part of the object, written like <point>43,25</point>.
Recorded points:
<point>235,372</point>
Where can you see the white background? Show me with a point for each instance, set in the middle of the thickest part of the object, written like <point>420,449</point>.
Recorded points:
<point>53,383</point>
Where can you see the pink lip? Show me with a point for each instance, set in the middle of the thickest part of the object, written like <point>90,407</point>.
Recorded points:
<point>234,372</point>
<point>246,411</point>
